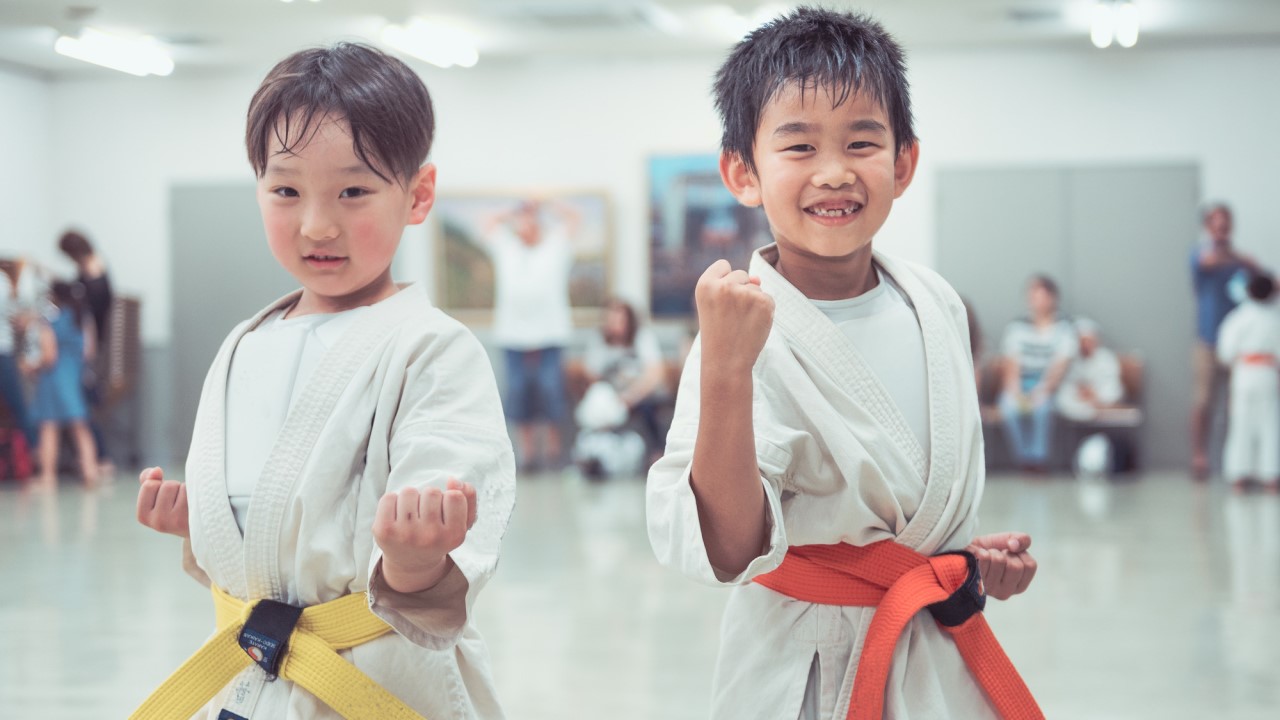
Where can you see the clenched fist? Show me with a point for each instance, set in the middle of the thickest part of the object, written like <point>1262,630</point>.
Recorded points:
<point>734,316</point>
<point>1006,567</point>
<point>417,529</point>
<point>162,504</point>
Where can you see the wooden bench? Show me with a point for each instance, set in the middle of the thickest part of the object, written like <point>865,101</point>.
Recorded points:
<point>1126,415</point>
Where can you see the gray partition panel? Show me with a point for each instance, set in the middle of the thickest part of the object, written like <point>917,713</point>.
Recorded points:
<point>1131,232</point>
<point>223,272</point>
<point>1115,238</point>
<point>995,228</point>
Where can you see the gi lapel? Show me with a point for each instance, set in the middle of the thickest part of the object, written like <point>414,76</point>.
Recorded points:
<point>307,418</point>
<point>207,466</point>
<point>814,335</point>
<point>940,351</point>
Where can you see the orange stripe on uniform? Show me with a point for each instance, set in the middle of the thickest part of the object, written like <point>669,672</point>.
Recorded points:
<point>899,582</point>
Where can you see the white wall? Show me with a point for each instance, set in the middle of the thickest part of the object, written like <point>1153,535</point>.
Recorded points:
<point>120,142</point>
<point>25,158</point>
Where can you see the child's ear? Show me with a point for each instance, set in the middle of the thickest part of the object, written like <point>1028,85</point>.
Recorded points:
<point>423,191</point>
<point>904,168</point>
<point>740,179</point>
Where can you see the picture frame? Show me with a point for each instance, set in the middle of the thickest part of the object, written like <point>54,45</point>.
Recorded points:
<point>694,221</point>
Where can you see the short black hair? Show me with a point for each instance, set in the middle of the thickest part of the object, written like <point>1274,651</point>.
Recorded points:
<point>383,102</point>
<point>845,52</point>
<point>1044,281</point>
<point>69,297</point>
<point>1260,286</point>
<point>75,245</point>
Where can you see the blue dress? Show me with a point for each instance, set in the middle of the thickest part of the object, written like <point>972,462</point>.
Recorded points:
<point>59,393</point>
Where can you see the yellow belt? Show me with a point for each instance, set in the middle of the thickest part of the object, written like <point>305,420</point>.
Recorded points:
<point>311,662</point>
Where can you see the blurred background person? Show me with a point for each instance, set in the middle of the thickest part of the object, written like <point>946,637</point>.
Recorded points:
<point>1093,379</point>
<point>11,390</point>
<point>91,272</point>
<point>66,339</point>
<point>1214,264</point>
<point>1249,344</point>
<point>628,357</point>
<point>1038,350</point>
<point>532,251</point>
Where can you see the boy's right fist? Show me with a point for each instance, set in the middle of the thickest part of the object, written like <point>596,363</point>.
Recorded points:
<point>162,504</point>
<point>734,316</point>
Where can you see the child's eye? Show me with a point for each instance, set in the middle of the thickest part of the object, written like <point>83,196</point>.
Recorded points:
<point>861,145</point>
<point>353,192</point>
<point>799,148</point>
<point>287,192</point>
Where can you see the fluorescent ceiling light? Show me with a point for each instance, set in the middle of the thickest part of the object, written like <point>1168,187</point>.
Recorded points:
<point>437,43</point>
<point>1126,24</point>
<point>138,55</point>
<point>662,18</point>
<point>1102,25</point>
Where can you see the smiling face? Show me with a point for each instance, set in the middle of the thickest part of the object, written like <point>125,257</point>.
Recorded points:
<point>826,174</point>
<point>333,223</point>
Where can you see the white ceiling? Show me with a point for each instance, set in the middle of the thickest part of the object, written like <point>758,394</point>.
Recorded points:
<point>215,35</point>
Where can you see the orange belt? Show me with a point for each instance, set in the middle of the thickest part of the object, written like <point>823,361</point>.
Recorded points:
<point>1258,359</point>
<point>899,582</point>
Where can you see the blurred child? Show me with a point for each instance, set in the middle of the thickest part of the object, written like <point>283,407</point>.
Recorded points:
<point>65,341</point>
<point>1249,344</point>
<point>350,475</point>
<point>826,454</point>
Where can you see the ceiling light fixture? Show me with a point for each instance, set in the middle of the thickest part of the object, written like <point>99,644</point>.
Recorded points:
<point>1102,24</point>
<point>1126,23</point>
<point>1114,20</point>
<point>439,44</point>
<point>136,55</point>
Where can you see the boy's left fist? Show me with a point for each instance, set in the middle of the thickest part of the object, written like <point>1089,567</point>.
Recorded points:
<point>417,529</point>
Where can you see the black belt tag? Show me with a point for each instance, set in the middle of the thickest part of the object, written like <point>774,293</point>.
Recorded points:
<point>968,599</point>
<point>228,715</point>
<point>265,636</point>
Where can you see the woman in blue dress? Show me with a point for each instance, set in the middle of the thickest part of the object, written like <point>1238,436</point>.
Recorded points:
<point>59,399</point>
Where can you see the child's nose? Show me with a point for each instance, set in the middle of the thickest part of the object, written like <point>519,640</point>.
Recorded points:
<point>318,223</point>
<point>834,172</point>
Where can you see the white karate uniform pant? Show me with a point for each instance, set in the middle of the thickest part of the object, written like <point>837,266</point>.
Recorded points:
<point>1253,432</point>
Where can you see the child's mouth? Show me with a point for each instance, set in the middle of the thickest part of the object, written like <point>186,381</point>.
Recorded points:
<point>828,210</point>
<point>324,261</point>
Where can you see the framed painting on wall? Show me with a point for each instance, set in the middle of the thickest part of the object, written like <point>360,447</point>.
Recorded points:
<point>468,225</point>
<point>694,221</point>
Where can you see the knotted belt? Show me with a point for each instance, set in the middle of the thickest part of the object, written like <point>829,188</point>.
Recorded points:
<point>297,644</point>
<point>899,582</point>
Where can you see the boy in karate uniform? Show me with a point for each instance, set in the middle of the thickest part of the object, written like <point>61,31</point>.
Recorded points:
<point>349,461</point>
<point>1249,344</point>
<point>826,441</point>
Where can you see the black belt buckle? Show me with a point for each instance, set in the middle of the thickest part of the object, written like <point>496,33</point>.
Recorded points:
<point>265,635</point>
<point>968,599</point>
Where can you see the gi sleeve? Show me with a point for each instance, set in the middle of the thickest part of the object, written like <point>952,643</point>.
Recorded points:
<point>675,531</point>
<point>450,425</point>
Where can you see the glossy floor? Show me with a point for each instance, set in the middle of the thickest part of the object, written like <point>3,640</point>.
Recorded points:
<point>1156,599</point>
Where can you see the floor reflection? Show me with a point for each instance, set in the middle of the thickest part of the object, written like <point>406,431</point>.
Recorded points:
<point>1157,598</point>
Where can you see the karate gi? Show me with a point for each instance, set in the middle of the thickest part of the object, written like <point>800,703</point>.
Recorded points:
<point>403,398</point>
<point>838,463</point>
<point>1249,335</point>
<point>1100,372</point>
